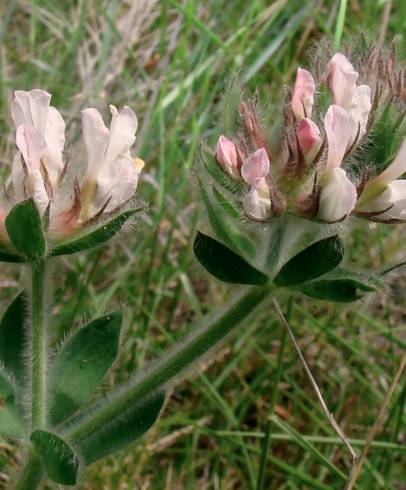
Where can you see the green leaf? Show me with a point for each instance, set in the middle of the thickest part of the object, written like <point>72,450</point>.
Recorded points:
<point>341,286</point>
<point>11,423</point>
<point>224,264</point>
<point>97,415</point>
<point>82,364</point>
<point>313,262</point>
<point>7,256</point>
<point>96,237</point>
<point>289,235</point>
<point>12,338</point>
<point>24,227</point>
<point>120,431</point>
<point>60,460</point>
<point>225,226</point>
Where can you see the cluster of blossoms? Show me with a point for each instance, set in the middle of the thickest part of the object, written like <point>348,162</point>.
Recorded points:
<point>308,174</point>
<point>69,199</point>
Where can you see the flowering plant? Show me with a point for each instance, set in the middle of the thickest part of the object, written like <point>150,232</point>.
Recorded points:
<point>52,207</point>
<point>278,201</point>
<point>277,205</point>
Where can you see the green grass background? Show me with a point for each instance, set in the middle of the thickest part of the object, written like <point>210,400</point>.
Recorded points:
<point>170,60</point>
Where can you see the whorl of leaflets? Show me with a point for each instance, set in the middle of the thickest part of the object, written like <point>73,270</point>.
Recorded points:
<point>308,174</point>
<point>69,196</point>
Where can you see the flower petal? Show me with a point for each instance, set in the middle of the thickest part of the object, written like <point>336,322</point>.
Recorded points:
<point>31,108</point>
<point>123,127</point>
<point>118,182</point>
<point>255,167</point>
<point>18,177</point>
<point>394,196</point>
<point>55,140</point>
<point>360,108</point>
<point>337,197</point>
<point>396,169</point>
<point>38,191</point>
<point>303,94</point>
<point>257,202</point>
<point>31,145</point>
<point>342,80</point>
<point>339,127</point>
<point>226,154</point>
<point>96,137</point>
<point>309,139</point>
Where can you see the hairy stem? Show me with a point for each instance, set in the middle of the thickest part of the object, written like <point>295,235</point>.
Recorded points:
<point>39,345</point>
<point>31,475</point>
<point>165,371</point>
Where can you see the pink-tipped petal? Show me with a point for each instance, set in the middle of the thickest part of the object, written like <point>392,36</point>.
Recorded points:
<point>256,167</point>
<point>337,197</point>
<point>309,139</point>
<point>226,154</point>
<point>31,145</point>
<point>339,127</point>
<point>303,94</point>
<point>342,79</point>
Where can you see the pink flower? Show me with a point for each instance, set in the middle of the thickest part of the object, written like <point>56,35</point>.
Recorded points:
<point>303,94</point>
<point>309,139</point>
<point>226,154</point>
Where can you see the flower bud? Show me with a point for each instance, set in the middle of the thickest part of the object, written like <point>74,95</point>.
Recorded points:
<point>226,154</point>
<point>303,94</point>
<point>337,197</point>
<point>256,167</point>
<point>309,139</point>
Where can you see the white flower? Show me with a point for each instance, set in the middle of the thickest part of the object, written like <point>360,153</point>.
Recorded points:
<point>40,138</point>
<point>33,109</point>
<point>338,194</point>
<point>112,173</point>
<point>254,170</point>
<point>356,100</point>
<point>385,195</point>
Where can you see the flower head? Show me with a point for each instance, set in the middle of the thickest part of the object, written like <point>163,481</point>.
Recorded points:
<point>314,170</point>
<point>39,169</point>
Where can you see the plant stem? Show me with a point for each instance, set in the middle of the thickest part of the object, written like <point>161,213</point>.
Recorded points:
<point>31,475</point>
<point>165,371</point>
<point>39,345</point>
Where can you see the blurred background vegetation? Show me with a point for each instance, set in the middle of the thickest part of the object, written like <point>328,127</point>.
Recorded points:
<point>170,60</point>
